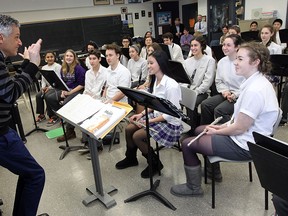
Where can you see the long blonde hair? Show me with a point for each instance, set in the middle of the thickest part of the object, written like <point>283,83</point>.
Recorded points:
<point>69,68</point>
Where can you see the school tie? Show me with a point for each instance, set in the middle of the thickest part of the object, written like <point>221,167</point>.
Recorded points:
<point>199,25</point>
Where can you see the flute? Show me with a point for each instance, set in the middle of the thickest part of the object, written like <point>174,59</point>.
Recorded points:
<point>142,125</point>
<point>204,131</point>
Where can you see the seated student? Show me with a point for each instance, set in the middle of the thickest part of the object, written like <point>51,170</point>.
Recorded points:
<point>148,40</point>
<point>254,26</point>
<point>153,47</point>
<point>255,110</point>
<point>174,49</point>
<point>208,50</point>
<point>46,89</point>
<point>74,77</point>
<point>201,69</point>
<point>224,31</point>
<point>118,75</point>
<point>227,84</point>
<point>137,66</point>
<point>95,81</point>
<point>168,127</point>
<point>268,39</point>
<point>91,46</point>
<point>235,29</point>
<point>277,23</point>
<point>126,42</point>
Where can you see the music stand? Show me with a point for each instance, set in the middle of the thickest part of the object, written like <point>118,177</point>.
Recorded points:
<point>165,48</point>
<point>270,157</point>
<point>279,68</point>
<point>36,128</point>
<point>57,83</point>
<point>178,72</point>
<point>250,36</point>
<point>125,52</point>
<point>283,34</point>
<point>150,101</point>
<point>218,52</point>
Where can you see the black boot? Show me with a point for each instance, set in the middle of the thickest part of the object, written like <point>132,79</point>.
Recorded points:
<point>218,174</point>
<point>156,165</point>
<point>130,159</point>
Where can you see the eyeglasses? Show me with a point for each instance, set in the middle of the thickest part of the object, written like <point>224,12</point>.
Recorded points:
<point>125,41</point>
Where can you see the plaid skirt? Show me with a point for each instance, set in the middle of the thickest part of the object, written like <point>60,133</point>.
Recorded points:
<point>167,134</point>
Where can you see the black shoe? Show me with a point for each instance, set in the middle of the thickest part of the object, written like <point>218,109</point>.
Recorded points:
<point>218,176</point>
<point>155,170</point>
<point>126,162</point>
<point>43,214</point>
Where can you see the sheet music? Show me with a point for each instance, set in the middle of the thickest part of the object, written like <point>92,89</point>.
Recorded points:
<point>80,108</point>
<point>103,120</point>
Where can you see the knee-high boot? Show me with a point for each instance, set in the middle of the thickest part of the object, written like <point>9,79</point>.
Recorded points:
<point>192,187</point>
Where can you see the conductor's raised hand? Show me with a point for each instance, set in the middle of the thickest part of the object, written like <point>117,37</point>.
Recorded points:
<point>34,52</point>
<point>25,54</point>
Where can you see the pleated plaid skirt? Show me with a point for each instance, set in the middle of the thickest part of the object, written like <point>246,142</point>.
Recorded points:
<point>167,134</point>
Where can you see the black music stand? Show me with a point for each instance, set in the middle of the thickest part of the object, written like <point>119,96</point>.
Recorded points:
<point>279,68</point>
<point>125,52</point>
<point>218,52</point>
<point>150,101</point>
<point>165,48</point>
<point>250,36</point>
<point>57,83</point>
<point>270,157</point>
<point>36,128</point>
<point>178,72</point>
<point>283,33</point>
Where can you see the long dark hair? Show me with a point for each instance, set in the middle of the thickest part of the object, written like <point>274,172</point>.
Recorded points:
<point>163,62</point>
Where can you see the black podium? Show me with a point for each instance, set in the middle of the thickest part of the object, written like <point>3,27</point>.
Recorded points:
<point>270,157</point>
<point>150,101</point>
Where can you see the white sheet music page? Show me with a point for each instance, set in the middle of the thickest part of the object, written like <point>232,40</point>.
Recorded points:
<point>80,108</point>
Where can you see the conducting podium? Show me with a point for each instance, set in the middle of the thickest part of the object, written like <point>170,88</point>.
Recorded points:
<point>150,101</point>
<point>95,119</point>
<point>270,157</point>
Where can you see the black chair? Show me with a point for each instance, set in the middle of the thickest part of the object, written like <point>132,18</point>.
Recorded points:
<point>279,68</point>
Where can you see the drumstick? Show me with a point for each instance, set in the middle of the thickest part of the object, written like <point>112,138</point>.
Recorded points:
<point>204,131</point>
<point>142,125</point>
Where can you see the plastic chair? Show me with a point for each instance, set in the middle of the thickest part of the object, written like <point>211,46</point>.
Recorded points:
<point>214,159</point>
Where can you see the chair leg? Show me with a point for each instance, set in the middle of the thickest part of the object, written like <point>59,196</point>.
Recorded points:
<point>213,185</point>
<point>266,199</point>
<point>157,152</point>
<point>205,169</point>
<point>250,171</point>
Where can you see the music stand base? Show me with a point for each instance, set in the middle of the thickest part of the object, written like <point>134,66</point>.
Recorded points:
<point>152,191</point>
<point>106,199</point>
<point>36,129</point>
<point>67,149</point>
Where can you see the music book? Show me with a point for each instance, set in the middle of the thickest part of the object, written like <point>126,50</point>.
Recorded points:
<point>92,116</point>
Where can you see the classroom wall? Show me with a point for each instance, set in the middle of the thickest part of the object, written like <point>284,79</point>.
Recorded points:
<point>184,2</point>
<point>87,9</point>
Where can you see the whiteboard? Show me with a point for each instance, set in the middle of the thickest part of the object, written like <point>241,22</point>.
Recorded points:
<point>31,5</point>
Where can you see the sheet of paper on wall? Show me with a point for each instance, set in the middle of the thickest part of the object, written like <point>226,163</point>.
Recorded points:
<point>80,108</point>
<point>103,120</point>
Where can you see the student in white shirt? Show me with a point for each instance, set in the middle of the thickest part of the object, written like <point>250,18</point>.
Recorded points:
<point>255,110</point>
<point>126,42</point>
<point>277,23</point>
<point>91,46</point>
<point>201,69</point>
<point>168,128</point>
<point>174,49</point>
<point>118,75</point>
<point>148,41</point>
<point>46,89</point>
<point>267,35</point>
<point>227,84</point>
<point>137,66</point>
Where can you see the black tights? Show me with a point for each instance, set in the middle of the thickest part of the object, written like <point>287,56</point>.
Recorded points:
<point>203,145</point>
<point>136,138</point>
